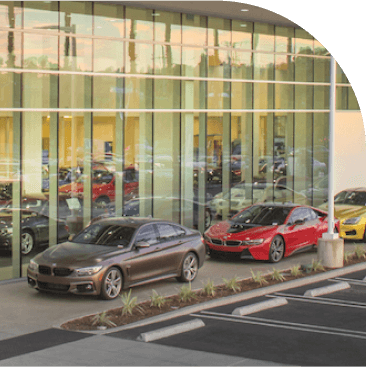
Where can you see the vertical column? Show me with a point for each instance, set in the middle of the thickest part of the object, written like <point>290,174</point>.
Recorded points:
<point>187,156</point>
<point>53,162</point>
<point>88,151</point>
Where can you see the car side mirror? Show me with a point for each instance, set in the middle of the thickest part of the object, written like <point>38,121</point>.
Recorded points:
<point>299,222</point>
<point>229,216</point>
<point>142,244</point>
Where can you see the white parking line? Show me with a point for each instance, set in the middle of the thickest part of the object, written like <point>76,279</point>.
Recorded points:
<point>320,300</point>
<point>352,281</point>
<point>281,324</point>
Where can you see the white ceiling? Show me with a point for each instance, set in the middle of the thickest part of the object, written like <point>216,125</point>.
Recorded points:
<point>222,9</point>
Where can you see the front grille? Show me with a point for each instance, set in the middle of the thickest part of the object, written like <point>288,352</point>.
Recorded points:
<point>46,270</point>
<point>233,243</point>
<point>53,286</point>
<point>216,241</point>
<point>62,272</point>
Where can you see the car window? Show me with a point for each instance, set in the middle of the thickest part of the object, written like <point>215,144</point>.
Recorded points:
<point>105,234</point>
<point>298,214</point>
<point>310,214</point>
<point>147,234</point>
<point>166,231</point>
<point>262,215</point>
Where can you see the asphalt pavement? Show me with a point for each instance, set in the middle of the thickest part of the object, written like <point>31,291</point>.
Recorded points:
<point>29,333</point>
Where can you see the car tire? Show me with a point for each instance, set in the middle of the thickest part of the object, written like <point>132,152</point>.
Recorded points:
<point>277,249</point>
<point>189,269</point>
<point>102,201</point>
<point>207,219</point>
<point>111,284</point>
<point>27,243</point>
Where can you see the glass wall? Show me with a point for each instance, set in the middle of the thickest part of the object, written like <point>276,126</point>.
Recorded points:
<point>107,110</point>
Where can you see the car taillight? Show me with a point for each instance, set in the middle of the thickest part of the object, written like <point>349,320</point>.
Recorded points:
<point>67,228</point>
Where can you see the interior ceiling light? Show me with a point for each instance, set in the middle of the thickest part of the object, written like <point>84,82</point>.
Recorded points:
<point>243,25</point>
<point>155,14</point>
<point>244,9</point>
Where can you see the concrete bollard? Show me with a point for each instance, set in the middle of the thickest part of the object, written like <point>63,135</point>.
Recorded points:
<point>331,252</point>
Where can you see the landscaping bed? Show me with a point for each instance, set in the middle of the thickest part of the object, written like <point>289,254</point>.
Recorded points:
<point>131,311</point>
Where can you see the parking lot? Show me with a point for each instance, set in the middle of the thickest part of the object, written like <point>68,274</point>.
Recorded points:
<point>322,330</point>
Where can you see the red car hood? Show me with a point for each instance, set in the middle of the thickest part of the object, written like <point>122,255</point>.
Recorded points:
<point>221,229</point>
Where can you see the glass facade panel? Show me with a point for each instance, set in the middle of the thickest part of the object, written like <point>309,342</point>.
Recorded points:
<point>10,50</point>
<point>40,52</point>
<point>75,17</point>
<point>139,58</point>
<point>242,34</point>
<point>108,144</point>
<point>139,24</point>
<point>11,14</point>
<point>263,37</point>
<point>108,56</point>
<point>167,60</point>
<point>194,29</point>
<point>41,15</point>
<point>219,32</point>
<point>194,62</point>
<point>109,20</point>
<point>285,39</point>
<point>75,54</point>
<point>167,27</point>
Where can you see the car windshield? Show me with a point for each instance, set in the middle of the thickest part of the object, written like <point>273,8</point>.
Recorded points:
<point>351,198</point>
<point>262,215</point>
<point>104,234</point>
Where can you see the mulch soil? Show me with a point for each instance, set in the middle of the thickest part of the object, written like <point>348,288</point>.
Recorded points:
<point>145,310</point>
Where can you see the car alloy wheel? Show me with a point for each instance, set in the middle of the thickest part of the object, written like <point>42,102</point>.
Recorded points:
<point>277,249</point>
<point>189,268</point>
<point>111,283</point>
<point>207,219</point>
<point>27,242</point>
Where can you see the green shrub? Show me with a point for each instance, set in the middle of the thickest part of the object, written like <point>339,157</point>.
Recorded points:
<point>360,252</point>
<point>316,265</point>
<point>258,278</point>
<point>232,283</point>
<point>102,319</point>
<point>276,275</point>
<point>186,294</point>
<point>295,270</point>
<point>129,304</point>
<point>209,288</point>
<point>347,256</point>
<point>157,300</point>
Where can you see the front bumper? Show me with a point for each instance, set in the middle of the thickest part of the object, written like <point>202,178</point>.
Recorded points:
<point>352,231</point>
<point>258,252</point>
<point>69,284</point>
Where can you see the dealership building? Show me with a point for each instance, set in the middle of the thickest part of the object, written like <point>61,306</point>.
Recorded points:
<point>156,109</point>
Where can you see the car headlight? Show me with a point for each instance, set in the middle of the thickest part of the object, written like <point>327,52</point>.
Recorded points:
<point>253,242</point>
<point>353,220</point>
<point>88,271</point>
<point>33,265</point>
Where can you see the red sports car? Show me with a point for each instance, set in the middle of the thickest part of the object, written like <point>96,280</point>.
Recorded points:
<point>268,231</point>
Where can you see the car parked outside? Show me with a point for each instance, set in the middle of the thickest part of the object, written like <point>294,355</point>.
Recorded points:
<point>116,253</point>
<point>267,232</point>
<point>350,209</point>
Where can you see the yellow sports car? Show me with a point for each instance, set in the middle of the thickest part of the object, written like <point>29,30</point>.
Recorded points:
<point>350,209</point>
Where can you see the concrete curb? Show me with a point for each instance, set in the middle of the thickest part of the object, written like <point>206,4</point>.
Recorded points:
<point>170,330</point>
<point>326,290</point>
<point>231,299</point>
<point>260,306</point>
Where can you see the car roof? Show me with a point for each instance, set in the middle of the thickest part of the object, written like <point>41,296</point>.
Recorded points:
<point>358,189</point>
<point>134,221</point>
